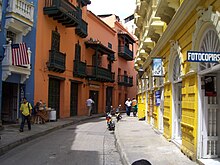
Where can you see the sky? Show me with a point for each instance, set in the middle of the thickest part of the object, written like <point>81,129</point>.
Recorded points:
<point>121,8</point>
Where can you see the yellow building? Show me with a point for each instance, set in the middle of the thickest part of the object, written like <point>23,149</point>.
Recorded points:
<point>182,102</point>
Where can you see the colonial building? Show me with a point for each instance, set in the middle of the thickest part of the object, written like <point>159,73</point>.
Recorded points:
<point>61,53</point>
<point>78,56</point>
<point>17,40</point>
<point>183,102</point>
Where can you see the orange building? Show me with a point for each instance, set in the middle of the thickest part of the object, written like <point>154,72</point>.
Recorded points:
<point>79,56</point>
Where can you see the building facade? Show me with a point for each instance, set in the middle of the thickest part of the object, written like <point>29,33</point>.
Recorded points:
<point>183,102</point>
<point>61,53</point>
<point>78,57</point>
<point>17,52</point>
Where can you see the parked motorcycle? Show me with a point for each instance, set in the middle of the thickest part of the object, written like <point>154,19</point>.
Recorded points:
<point>110,122</point>
<point>118,116</point>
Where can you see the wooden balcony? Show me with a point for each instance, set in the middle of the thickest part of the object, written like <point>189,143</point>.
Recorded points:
<point>57,61</point>
<point>99,74</point>
<point>79,69</point>
<point>62,11</point>
<point>81,29</point>
<point>125,80</point>
<point>125,53</point>
<point>85,2</point>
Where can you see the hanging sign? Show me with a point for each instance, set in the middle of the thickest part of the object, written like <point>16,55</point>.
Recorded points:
<point>157,97</point>
<point>194,56</point>
<point>157,67</point>
<point>210,86</point>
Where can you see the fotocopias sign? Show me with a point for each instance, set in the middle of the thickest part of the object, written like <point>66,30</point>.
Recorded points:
<point>194,56</point>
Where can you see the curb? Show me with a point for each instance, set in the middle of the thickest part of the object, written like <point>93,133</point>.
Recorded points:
<point>12,145</point>
<point>122,154</point>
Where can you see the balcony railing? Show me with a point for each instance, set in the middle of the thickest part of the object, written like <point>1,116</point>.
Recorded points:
<point>79,69</point>
<point>9,67</point>
<point>125,80</point>
<point>62,11</point>
<point>125,53</point>
<point>22,8</point>
<point>57,61</point>
<point>81,29</point>
<point>100,74</point>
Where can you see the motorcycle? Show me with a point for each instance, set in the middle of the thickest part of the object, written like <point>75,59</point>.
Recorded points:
<point>118,116</point>
<point>110,123</point>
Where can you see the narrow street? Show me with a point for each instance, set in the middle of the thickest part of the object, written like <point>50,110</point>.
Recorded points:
<point>86,143</point>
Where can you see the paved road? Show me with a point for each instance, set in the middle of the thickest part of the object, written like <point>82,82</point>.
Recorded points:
<point>87,143</point>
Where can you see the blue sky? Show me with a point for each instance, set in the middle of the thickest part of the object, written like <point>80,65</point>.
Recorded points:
<point>122,8</point>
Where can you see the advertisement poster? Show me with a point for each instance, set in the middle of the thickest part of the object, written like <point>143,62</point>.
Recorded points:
<point>210,86</point>
<point>157,97</point>
<point>157,67</point>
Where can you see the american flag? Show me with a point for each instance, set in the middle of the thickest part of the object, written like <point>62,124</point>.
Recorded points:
<point>19,54</point>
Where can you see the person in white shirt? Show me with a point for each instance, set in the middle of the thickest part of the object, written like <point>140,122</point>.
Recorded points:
<point>89,103</point>
<point>128,106</point>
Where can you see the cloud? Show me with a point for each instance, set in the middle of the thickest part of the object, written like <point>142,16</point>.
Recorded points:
<point>122,8</point>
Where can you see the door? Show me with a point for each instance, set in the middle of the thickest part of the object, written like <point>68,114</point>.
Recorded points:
<point>9,102</point>
<point>94,95</point>
<point>177,111</point>
<point>210,124</point>
<point>54,95</point>
<point>108,97</point>
<point>74,99</point>
<point>161,110</point>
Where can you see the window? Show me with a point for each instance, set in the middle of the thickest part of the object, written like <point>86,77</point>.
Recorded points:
<point>11,37</point>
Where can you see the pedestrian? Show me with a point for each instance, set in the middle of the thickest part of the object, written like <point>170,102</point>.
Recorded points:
<point>128,106</point>
<point>134,106</point>
<point>89,103</point>
<point>26,110</point>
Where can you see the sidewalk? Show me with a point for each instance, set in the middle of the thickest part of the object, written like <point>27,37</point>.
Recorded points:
<point>11,137</point>
<point>137,140</point>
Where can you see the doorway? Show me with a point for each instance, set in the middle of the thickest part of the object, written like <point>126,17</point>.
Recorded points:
<point>210,115</point>
<point>177,113</point>
<point>54,95</point>
<point>108,97</point>
<point>94,95</point>
<point>74,99</point>
<point>161,112</point>
<point>9,102</point>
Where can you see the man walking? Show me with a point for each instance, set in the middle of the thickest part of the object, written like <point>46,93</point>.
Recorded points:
<point>128,106</point>
<point>89,103</point>
<point>25,109</point>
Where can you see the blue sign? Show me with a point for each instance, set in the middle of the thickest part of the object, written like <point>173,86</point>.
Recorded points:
<point>194,56</point>
<point>157,97</point>
<point>157,67</point>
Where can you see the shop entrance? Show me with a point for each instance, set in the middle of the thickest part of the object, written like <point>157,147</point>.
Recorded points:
<point>54,95</point>
<point>94,95</point>
<point>108,97</point>
<point>177,115</point>
<point>210,116</point>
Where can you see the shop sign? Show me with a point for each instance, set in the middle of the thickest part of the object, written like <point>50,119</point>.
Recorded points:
<point>210,86</point>
<point>157,67</point>
<point>157,97</point>
<point>194,56</point>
